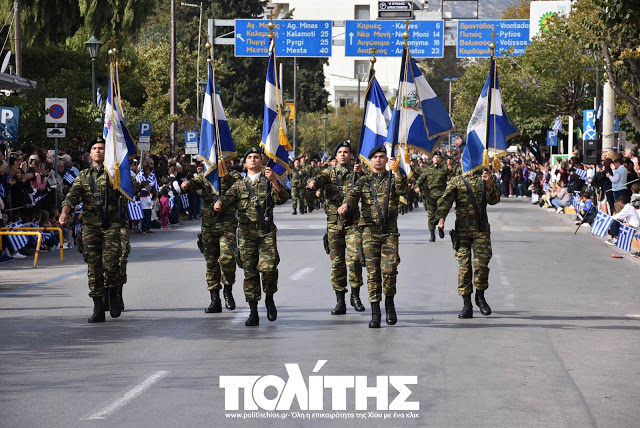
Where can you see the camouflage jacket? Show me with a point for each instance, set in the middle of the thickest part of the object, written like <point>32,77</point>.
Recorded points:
<point>362,192</point>
<point>297,177</point>
<point>305,172</point>
<point>328,182</point>
<point>237,197</point>
<point>433,179</point>
<point>200,182</point>
<point>93,204</point>
<point>457,192</point>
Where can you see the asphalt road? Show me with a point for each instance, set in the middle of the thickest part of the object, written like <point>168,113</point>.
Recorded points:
<point>561,348</point>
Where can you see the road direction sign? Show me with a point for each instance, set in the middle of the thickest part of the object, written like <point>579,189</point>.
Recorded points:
<point>9,121</point>
<point>57,110</point>
<point>588,125</point>
<point>294,38</point>
<point>56,132</point>
<point>144,137</point>
<point>552,138</point>
<point>191,142</point>
<point>474,37</point>
<point>426,38</point>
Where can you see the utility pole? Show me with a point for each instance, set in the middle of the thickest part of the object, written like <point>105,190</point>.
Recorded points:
<point>173,89</point>
<point>18,38</point>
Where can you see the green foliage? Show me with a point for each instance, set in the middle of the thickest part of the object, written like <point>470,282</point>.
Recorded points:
<point>311,130</point>
<point>246,132</point>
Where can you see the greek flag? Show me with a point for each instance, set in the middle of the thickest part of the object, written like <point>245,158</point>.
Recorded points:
<point>601,224</point>
<point>16,241</point>
<point>402,157</point>
<point>135,210</point>
<point>118,143</point>
<point>99,98</point>
<point>274,131</point>
<point>376,118</point>
<point>68,177</point>
<point>152,179</point>
<point>557,125</point>
<point>215,136</point>
<point>483,143</point>
<point>575,202</point>
<point>625,237</point>
<point>581,173</point>
<point>419,119</point>
<point>185,201</point>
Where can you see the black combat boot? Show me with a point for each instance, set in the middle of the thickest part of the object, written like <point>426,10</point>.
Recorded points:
<point>229,301</point>
<point>341,306</point>
<point>441,233</point>
<point>355,300</point>
<point>376,316</point>
<point>433,236</point>
<point>295,212</point>
<point>390,309</point>
<point>216,304</point>
<point>303,210</point>
<point>467,309</point>
<point>105,300</point>
<point>482,304</point>
<point>253,319</point>
<point>114,306</point>
<point>272,312</point>
<point>98,311</point>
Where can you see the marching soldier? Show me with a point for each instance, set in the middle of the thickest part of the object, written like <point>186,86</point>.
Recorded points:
<point>218,238</point>
<point>306,173</point>
<point>101,224</point>
<point>256,231</point>
<point>297,187</point>
<point>472,233</point>
<point>379,232</point>
<point>342,230</point>
<point>432,183</point>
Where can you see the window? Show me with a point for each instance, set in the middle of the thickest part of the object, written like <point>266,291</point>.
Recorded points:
<point>362,12</point>
<point>361,69</point>
<point>345,101</point>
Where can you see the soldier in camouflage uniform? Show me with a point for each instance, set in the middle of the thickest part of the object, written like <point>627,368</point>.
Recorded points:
<point>297,187</point>
<point>379,235</point>
<point>100,230</point>
<point>343,231</point>
<point>218,239</point>
<point>256,231</point>
<point>308,195</point>
<point>472,234</point>
<point>432,183</point>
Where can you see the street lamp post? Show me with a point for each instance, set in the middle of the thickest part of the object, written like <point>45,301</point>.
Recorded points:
<point>94,46</point>
<point>287,113</point>
<point>326,120</point>
<point>450,80</point>
<point>349,130</point>
<point>202,88</point>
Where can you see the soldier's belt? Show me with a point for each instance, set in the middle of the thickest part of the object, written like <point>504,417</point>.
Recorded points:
<point>253,226</point>
<point>462,223</point>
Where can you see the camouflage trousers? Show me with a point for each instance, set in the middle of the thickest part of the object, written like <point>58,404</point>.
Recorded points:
<point>101,252</point>
<point>382,259</point>
<point>431,205</point>
<point>259,257</point>
<point>297,194</point>
<point>125,248</point>
<point>480,244</point>
<point>219,245</point>
<point>347,240</point>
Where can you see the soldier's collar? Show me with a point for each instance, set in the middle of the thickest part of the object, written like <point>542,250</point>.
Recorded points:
<point>341,169</point>
<point>379,174</point>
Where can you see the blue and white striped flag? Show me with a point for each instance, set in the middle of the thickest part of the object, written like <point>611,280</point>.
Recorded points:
<point>135,210</point>
<point>2,194</point>
<point>16,241</point>
<point>215,135</point>
<point>557,125</point>
<point>601,224</point>
<point>118,143</point>
<point>274,130</point>
<point>185,201</point>
<point>575,202</point>
<point>419,120</point>
<point>34,238</point>
<point>376,119</point>
<point>581,173</point>
<point>99,98</point>
<point>479,148</point>
<point>625,237</point>
<point>152,179</point>
<point>68,177</point>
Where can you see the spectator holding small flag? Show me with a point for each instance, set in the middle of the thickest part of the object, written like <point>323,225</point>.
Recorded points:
<point>624,214</point>
<point>147,205</point>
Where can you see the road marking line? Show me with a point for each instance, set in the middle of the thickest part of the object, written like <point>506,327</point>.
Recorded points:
<point>238,318</point>
<point>636,316</point>
<point>301,274</point>
<point>128,396</point>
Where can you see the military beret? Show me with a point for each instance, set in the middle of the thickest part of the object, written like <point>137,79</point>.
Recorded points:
<point>340,145</point>
<point>436,153</point>
<point>96,140</point>
<point>257,150</point>
<point>377,149</point>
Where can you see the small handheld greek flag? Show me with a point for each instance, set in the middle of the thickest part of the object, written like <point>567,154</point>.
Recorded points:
<point>68,177</point>
<point>17,241</point>
<point>575,202</point>
<point>625,237</point>
<point>185,201</point>
<point>601,224</point>
<point>135,211</point>
<point>557,125</point>
<point>581,173</point>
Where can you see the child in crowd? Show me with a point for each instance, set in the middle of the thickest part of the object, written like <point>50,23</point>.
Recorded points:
<point>624,214</point>
<point>165,209</point>
<point>635,197</point>
<point>586,212</point>
<point>147,205</point>
<point>155,221</point>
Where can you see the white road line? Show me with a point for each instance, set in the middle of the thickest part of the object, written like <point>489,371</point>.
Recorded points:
<point>128,396</point>
<point>301,274</point>
<point>238,318</point>
<point>635,316</point>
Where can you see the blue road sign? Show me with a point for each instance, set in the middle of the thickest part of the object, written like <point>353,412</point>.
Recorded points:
<point>588,125</point>
<point>474,37</point>
<point>9,121</point>
<point>552,138</point>
<point>426,38</point>
<point>191,142</point>
<point>294,38</point>
<point>144,135</point>
<point>616,124</point>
